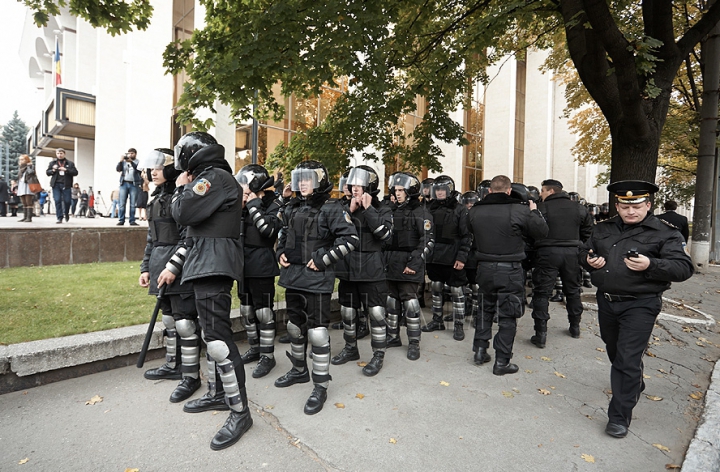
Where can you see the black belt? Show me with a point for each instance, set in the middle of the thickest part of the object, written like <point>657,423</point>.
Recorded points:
<point>625,298</point>
<point>512,265</point>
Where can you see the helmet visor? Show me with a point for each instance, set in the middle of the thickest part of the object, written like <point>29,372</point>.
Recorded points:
<point>445,188</point>
<point>245,177</point>
<point>154,160</point>
<point>359,177</point>
<point>403,180</point>
<point>305,179</point>
<point>178,150</point>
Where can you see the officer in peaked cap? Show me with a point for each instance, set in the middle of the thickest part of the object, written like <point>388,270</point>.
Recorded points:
<point>632,258</point>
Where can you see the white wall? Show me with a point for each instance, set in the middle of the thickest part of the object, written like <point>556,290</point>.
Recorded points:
<point>499,129</point>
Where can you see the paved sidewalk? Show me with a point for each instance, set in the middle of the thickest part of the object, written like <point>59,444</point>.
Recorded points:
<point>438,413</point>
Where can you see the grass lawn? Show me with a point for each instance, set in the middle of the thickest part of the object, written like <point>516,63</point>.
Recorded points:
<point>53,301</point>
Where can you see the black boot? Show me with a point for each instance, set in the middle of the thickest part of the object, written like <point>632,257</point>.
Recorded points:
<point>214,399</point>
<point>481,356</point>
<point>316,400</point>
<point>165,371</point>
<point>348,353</point>
<point>436,324</point>
<point>558,297</point>
<point>264,366</point>
<point>503,366</point>
<point>413,352</point>
<point>458,332</point>
<point>362,328</point>
<point>375,364</point>
<point>574,326</point>
<point>284,339</point>
<point>185,389</point>
<point>235,426</point>
<point>540,336</point>
<point>338,325</point>
<point>293,377</point>
<point>394,341</point>
<point>251,355</point>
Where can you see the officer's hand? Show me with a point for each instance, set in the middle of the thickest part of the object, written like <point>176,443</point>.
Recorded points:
<point>638,263</point>
<point>283,260</point>
<point>251,196</point>
<point>354,204</point>
<point>165,277</point>
<point>311,265</point>
<point>287,191</point>
<point>183,179</point>
<point>596,263</point>
<point>532,205</point>
<point>144,279</point>
<point>366,200</point>
<point>459,265</point>
<point>408,271</point>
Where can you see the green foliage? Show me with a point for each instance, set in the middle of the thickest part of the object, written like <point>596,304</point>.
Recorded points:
<point>116,16</point>
<point>14,134</point>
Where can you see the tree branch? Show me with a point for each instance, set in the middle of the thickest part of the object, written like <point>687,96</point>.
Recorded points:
<point>699,30</point>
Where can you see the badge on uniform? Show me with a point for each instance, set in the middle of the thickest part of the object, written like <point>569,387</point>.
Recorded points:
<point>201,187</point>
<point>347,217</point>
<point>428,225</point>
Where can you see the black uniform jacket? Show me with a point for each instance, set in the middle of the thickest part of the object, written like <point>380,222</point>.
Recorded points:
<point>163,239</point>
<point>663,245</point>
<point>452,238</point>
<point>263,222</point>
<point>569,222</point>
<point>374,227</point>
<point>211,208</point>
<point>70,172</point>
<point>316,228</point>
<point>500,224</point>
<point>412,242</point>
<point>678,221</point>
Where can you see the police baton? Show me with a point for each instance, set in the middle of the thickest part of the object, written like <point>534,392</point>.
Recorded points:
<point>151,327</point>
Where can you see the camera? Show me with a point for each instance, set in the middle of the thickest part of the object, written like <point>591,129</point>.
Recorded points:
<point>632,253</point>
<point>126,157</point>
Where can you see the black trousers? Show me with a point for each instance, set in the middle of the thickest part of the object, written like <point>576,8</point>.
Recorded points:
<point>549,263</point>
<point>258,292</point>
<point>355,294</point>
<point>179,306</point>
<point>308,310</point>
<point>501,291</point>
<point>213,302</point>
<point>626,327</point>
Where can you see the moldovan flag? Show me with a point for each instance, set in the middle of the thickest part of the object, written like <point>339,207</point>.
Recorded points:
<point>56,59</point>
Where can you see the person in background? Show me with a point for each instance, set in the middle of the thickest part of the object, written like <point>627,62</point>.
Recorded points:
<point>74,196</point>
<point>143,199</point>
<point>84,199</point>
<point>130,183</point>
<point>677,221</point>
<point>115,198</point>
<point>26,177</point>
<point>4,196</point>
<point>61,171</point>
<point>42,199</point>
<point>14,199</point>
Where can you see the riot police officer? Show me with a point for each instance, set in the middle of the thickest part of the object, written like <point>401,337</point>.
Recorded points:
<point>556,254</point>
<point>209,201</point>
<point>499,224</point>
<point>363,280</point>
<point>632,258</point>
<point>317,234</point>
<point>262,220</point>
<point>165,254</point>
<point>452,245</point>
<point>405,256</point>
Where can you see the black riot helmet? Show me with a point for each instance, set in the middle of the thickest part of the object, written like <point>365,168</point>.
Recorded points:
<point>533,193</point>
<point>574,196</point>
<point>519,191</point>
<point>315,173</point>
<point>605,208</point>
<point>406,180</point>
<point>160,158</point>
<point>469,198</point>
<point>483,189</point>
<point>188,145</point>
<point>443,182</point>
<point>365,177</point>
<point>255,177</point>
<point>426,188</point>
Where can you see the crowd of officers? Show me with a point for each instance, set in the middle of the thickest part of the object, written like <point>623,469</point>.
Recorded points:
<point>209,229</point>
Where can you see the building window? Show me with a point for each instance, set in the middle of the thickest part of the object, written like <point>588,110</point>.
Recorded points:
<point>474,127</point>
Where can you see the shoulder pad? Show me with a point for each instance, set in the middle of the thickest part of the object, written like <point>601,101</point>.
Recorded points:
<point>669,224</point>
<point>331,200</point>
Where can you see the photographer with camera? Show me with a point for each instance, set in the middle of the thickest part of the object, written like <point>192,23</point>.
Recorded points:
<point>130,182</point>
<point>61,172</point>
<point>632,258</point>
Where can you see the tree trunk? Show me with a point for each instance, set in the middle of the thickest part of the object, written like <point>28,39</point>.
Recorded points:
<point>700,248</point>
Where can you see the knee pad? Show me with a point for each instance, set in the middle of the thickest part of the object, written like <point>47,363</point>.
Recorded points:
<point>377,313</point>
<point>185,328</point>
<point>294,330</point>
<point>347,314</point>
<point>391,303</point>
<point>436,286</point>
<point>218,350</point>
<point>168,321</point>
<point>265,315</point>
<point>247,312</point>
<point>412,307</point>
<point>457,292</point>
<point>318,336</point>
